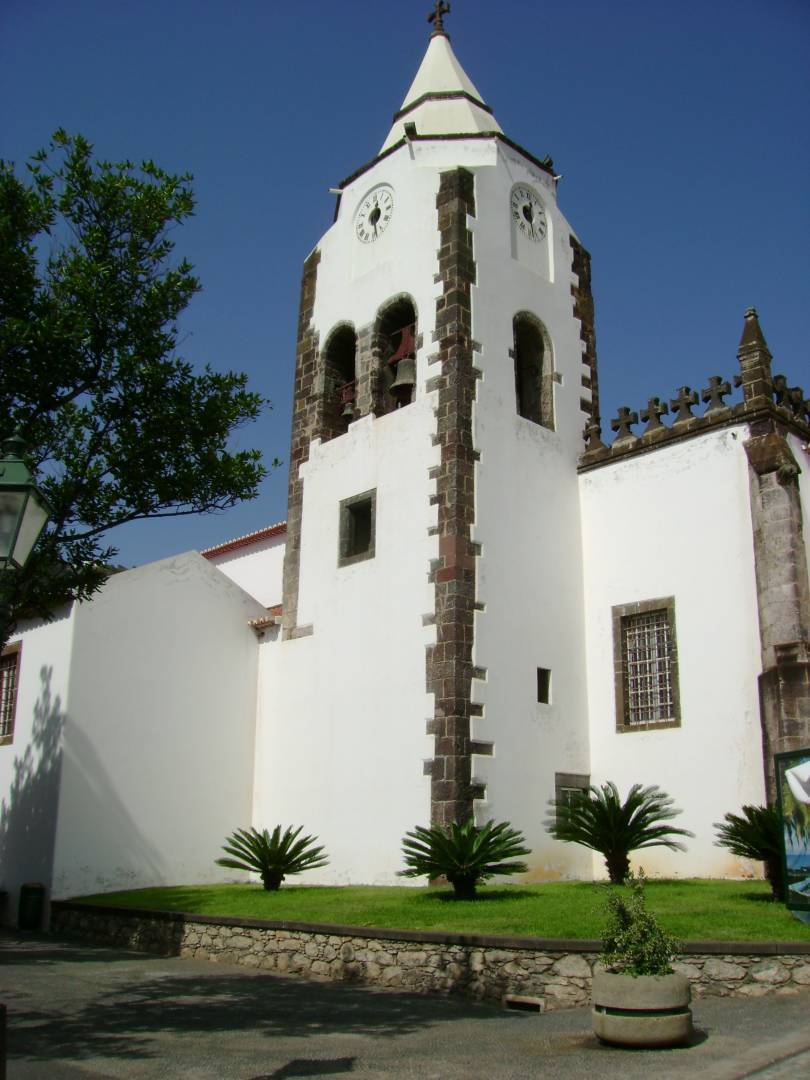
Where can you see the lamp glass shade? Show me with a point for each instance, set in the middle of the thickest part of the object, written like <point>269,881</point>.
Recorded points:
<point>22,518</point>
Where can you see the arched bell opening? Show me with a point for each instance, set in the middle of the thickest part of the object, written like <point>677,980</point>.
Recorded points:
<point>533,370</point>
<point>340,380</point>
<point>395,350</point>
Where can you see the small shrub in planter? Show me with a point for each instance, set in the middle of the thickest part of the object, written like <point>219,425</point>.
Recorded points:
<point>274,856</point>
<point>638,1000</point>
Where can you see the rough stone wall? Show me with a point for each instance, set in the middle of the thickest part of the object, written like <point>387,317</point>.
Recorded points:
<point>783,596</point>
<point>305,424</point>
<point>584,311</point>
<point>555,973</point>
<point>449,661</point>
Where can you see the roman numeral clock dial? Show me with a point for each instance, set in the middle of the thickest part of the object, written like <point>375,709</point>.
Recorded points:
<point>374,214</point>
<point>528,213</point>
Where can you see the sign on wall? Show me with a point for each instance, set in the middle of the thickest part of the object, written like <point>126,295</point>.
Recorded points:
<point>793,786</point>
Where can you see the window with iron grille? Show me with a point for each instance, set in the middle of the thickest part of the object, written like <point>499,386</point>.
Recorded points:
<point>9,669</point>
<point>645,651</point>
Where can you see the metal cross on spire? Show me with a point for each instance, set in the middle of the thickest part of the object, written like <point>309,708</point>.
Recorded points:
<point>436,16</point>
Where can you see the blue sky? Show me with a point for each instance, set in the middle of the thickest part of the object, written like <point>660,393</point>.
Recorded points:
<point>681,130</point>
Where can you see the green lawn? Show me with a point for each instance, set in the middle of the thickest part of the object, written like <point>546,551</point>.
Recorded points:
<point>695,910</point>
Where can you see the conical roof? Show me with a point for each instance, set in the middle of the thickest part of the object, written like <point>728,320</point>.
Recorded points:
<point>442,99</point>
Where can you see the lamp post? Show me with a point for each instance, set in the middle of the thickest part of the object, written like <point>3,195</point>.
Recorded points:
<point>24,512</point>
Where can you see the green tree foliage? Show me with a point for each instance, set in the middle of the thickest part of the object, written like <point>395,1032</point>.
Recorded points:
<point>598,819</point>
<point>272,857</point>
<point>465,854</point>
<point>756,834</point>
<point>633,942</point>
<point>118,427</point>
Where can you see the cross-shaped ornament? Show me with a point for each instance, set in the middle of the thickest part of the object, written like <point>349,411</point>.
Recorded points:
<point>714,394</point>
<point>656,408</point>
<point>593,436</point>
<point>683,403</point>
<point>622,423</point>
<point>435,17</point>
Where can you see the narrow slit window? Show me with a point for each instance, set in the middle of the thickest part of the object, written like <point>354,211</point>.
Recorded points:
<point>543,686</point>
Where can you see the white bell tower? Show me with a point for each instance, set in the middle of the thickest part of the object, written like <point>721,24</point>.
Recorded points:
<point>432,659</point>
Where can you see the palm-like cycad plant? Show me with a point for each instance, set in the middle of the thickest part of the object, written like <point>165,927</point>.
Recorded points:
<point>465,854</point>
<point>756,834</point>
<point>272,856</point>
<point>598,819</point>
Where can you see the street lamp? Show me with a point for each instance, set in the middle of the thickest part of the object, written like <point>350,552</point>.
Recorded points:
<point>23,508</point>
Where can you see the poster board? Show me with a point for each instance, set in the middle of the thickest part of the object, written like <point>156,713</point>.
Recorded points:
<point>793,788</point>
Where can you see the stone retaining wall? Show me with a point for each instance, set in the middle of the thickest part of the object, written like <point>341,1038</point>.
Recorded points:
<point>555,973</point>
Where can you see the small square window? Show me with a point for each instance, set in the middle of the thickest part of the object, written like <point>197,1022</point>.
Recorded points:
<point>567,785</point>
<point>544,686</point>
<point>9,678</point>
<point>357,528</point>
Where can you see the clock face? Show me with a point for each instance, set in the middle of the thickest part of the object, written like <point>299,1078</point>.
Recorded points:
<point>374,214</point>
<point>528,213</point>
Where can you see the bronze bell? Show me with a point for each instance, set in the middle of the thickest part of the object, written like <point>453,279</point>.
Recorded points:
<point>403,385</point>
<point>348,410</point>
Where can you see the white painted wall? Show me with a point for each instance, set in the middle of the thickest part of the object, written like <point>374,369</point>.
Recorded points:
<point>342,738</point>
<point>256,568</point>
<point>527,521</point>
<point>158,737</point>
<point>677,522</point>
<point>31,765</point>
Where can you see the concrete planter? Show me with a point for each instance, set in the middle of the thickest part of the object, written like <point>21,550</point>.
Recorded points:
<point>643,1010</point>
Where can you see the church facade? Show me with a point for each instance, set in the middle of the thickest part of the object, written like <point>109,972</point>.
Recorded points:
<point>472,608</point>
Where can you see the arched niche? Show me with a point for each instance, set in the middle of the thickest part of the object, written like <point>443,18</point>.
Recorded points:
<point>395,352</point>
<point>534,386</point>
<point>339,359</point>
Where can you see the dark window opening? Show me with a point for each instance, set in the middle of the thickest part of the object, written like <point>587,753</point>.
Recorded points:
<point>340,381</point>
<point>9,678</point>
<point>533,376</point>
<point>357,527</point>
<point>395,348</point>
<point>544,686</point>
<point>569,785</point>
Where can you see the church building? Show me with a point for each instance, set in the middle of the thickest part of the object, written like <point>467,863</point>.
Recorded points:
<point>479,600</point>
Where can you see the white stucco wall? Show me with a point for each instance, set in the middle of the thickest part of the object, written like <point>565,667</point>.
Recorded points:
<point>31,765</point>
<point>677,522</point>
<point>527,522</point>
<point>342,739</point>
<point>256,568</point>
<point>158,736</point>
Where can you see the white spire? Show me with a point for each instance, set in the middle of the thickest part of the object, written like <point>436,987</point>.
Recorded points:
<point>442,99</point>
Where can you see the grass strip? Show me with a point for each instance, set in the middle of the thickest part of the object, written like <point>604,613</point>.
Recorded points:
<point>693,910</point>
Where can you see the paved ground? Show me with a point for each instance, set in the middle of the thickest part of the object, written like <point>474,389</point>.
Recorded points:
<point>77,1011</point>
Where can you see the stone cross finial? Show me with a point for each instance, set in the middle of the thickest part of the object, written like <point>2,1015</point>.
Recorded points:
<point>656,408</point>
<point>683,403</point>
<point>622,424</point>
<point>593,436</point>
<point>780,389</point>
<point>714,394</point>
<point>436,17</point>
